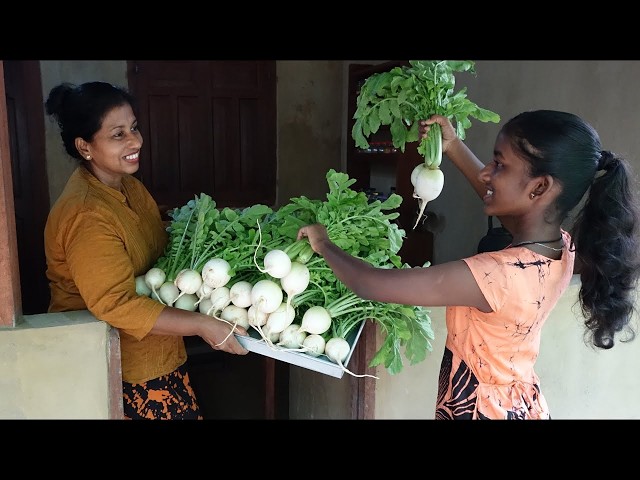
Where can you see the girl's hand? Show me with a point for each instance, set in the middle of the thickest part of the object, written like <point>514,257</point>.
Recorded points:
<point>448,132</point>
<point>317,235</point>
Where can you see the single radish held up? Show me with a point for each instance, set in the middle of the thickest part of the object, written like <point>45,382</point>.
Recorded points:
<point>427,185</point>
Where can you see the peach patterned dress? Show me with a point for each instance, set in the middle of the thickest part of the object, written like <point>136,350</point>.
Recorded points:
<point>487,370</point>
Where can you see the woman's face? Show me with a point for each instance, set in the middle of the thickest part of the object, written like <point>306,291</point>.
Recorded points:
<point>509,185</point>
<point>115,148</point>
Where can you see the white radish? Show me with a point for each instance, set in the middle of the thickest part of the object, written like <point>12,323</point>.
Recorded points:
<point>276,262</point>
<point>168,293</point>
<point>314,345</point>
<point>257,318</point>
<point>316,320</point>
<point>291,337</point>
<point>215,272</point>
<point>279,319</point>
<point>240,294</point>
<point>220,298</point>
<point>273,338</point>
<point>204,291</point>
<point>427,185</point>
<point>141,286</point>
<point>337,350</point>
<point>296,281</point>
<point>235,315</point>
<point>186,302</point>
<point>204,305</point>
<point>188,282</point>
<point>266,295</point>
<point>154,279</point>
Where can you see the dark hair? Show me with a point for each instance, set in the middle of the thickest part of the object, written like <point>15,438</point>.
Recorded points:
<point>605,231</point>
<point>80,110</point>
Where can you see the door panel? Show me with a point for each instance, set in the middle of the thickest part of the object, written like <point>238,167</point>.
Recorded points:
<point>208,126</point>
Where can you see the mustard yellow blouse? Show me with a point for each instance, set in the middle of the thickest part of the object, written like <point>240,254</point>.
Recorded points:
<point>97,240</point>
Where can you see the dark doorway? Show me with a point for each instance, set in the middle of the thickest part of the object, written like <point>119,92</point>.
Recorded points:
<point>25,112</point>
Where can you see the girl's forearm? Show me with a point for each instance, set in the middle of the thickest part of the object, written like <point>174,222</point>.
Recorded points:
<point>466,161</point>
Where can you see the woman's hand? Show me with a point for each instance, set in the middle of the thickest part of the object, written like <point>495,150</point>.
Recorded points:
<point>220,336</point>
<point>448,132</point>
<point>317,235</point>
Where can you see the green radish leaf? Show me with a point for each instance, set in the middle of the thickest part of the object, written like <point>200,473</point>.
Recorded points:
<point>404,95</point>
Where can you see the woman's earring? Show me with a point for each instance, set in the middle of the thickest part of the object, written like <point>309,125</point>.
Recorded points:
<point>89,158</point>
<point>531,195</point>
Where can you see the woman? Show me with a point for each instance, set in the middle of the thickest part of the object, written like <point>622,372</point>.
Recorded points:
<point>103,231</point>
<point>543,164</point>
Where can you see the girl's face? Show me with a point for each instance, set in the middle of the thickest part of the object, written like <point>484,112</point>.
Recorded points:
<point>508,182</point>
<point>115,149</point>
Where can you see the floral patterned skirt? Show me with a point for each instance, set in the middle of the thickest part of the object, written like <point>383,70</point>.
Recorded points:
<point>169,397</point>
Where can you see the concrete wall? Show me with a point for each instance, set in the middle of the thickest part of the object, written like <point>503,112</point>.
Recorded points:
<point>57,366</point>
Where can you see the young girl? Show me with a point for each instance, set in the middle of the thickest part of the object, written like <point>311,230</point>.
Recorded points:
<point>544,162</point>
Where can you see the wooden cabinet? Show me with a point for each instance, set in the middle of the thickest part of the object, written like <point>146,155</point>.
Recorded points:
<point>384,167</point>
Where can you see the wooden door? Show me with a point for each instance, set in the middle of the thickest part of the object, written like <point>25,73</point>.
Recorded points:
<point>208,127</point>
<point>25,113</point>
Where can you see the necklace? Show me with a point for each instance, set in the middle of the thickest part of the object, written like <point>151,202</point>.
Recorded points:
<point>540,243</point>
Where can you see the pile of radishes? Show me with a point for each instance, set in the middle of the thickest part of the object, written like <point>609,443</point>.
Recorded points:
<point>246,267</point>
<point>265,305</point>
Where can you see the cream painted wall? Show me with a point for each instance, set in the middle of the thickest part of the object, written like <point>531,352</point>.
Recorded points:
<point>309,126</point>
<point>55,366</point>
